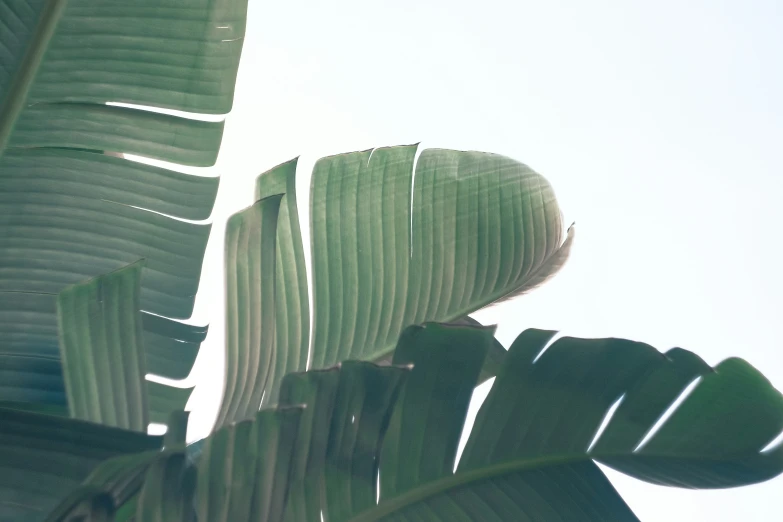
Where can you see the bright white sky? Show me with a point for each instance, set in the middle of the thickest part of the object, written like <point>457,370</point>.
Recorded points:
<point>658,123</point>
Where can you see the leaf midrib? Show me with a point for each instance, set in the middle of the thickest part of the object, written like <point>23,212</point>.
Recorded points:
<point>28,68</point>
<point>463,478</point>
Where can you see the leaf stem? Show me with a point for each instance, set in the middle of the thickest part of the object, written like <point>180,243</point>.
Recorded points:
<point>460,479</point>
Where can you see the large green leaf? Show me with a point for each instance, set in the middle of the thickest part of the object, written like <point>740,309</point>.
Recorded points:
<point>531,453</point>
<point>43,458</point>
<point>388,250</point>
<point>70,212</point>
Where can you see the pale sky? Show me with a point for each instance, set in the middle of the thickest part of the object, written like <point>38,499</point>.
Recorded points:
<point>658,123</point>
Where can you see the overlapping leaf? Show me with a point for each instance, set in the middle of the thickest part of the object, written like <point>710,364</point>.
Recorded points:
<point>103,355</point>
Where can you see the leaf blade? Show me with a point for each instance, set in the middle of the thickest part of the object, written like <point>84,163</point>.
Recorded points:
<point>250,312</point>
<point>392,249</point>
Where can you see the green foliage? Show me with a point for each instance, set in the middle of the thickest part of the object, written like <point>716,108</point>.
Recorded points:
<point>531,455</point>
<point>71,213</point>
<point>98,265</point>
<point>378,263</point>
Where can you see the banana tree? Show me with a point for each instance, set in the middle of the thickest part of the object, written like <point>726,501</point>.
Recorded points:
<point>363,422</point>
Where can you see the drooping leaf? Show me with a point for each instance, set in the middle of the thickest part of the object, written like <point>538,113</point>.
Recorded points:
<point>480,226</point>
<point>43,458</point>
<point>390,250</point>
<point>391,432</point>
<point>546,270</point>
